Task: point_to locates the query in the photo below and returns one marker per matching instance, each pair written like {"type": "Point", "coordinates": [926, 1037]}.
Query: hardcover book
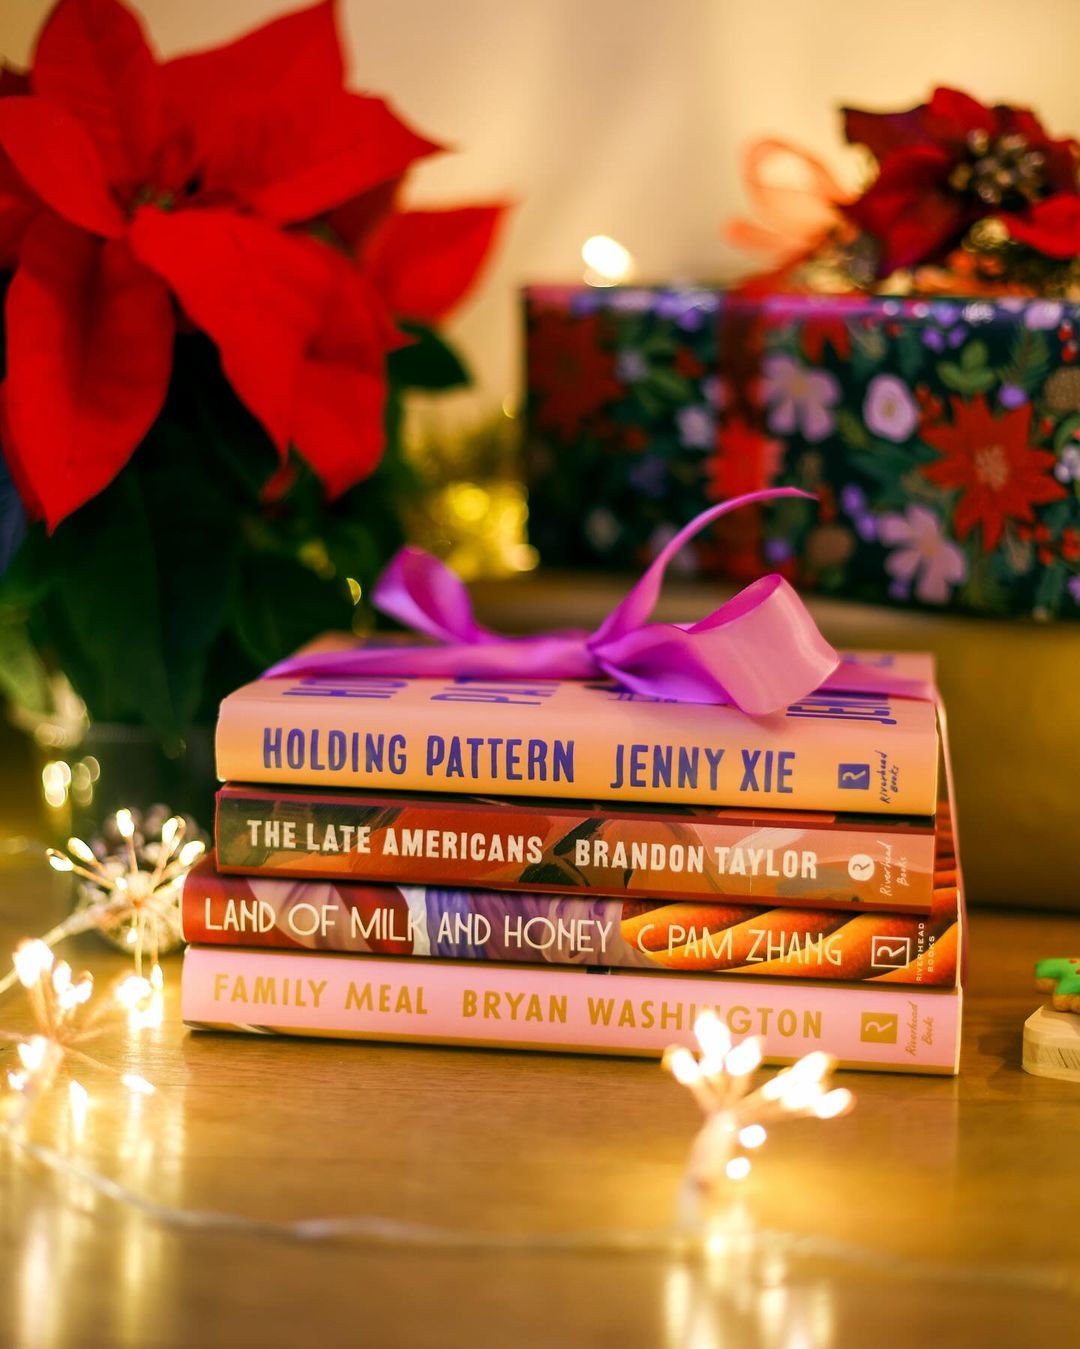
{"type": "Point", "coordinates": [601, 848]}
{"type": "Point", "coordinates": [885, 1027]}
{"type": "Point", "coordinates": [417, 920]}
{"type": "Point", "coordinates": [589, 740]}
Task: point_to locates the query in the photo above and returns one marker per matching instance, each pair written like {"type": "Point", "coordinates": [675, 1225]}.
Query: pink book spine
{"type": "Point", "coordinates": [889, 1029]}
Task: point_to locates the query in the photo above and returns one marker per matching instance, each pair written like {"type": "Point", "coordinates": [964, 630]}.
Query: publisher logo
{"type": "Point", "coordinates": [879, 1028]}
{"type": "Point", "coordinates": [853, 777]}
{"type": "Point", "coordinates": [860, 866]}
{"type": "Point", "coordinates": [890, 953]}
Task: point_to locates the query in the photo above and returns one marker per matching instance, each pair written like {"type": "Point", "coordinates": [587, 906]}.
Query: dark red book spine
{"type": "Point", "coordinates": [707, 855]}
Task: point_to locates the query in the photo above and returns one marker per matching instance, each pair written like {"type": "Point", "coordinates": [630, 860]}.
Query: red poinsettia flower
{"type": "Point", "coordinates": [952, 161]}
{"type": "Point", "coordinates": [134, 193]}
{"type": "Point", "coordinates": [572, 375]}
{"type": "Point", "coordinates": [990, 459]}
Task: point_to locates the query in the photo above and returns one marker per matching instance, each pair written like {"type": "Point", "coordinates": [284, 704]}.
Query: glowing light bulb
{"type": "Point", "coordinates": [738, 1168]}
{"type": "Point", "coordinates": [607, 262]}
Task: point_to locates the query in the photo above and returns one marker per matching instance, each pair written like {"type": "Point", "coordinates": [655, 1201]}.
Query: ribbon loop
{"type": "Point", "coordinates": [760, 651]}
{"type": "Point", "coordinates": [429, 599]}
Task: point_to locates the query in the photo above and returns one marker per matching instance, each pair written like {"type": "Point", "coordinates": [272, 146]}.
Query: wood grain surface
{"type": "Point", "coordinates": [941, 1211]}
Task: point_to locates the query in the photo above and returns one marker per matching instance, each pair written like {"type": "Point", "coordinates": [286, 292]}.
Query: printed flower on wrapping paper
{"type": "Point", "coordinates": [798, 399]}
{"type": "Point", "coordinates": [631, 367]}
{"type": "Point", "coordinates": [1067, 468]}
{"type": "Point", "coordinates": [921, 553]}
{"type": "Point", "coordinates": [1042, 315]}
{"type": "Point", "coordinates": [745, 461]}
{"type": "Point", "coordinates": [854, 504]}
{"type": "Point", "coordinates": [819, 330]}
{"type": "Point", "coordinates": [889, 409]}
{"type": "Point", "coordinates": [990, 460]}
{"type": "Point", "coordinates": [697, 427]}
{"type": "Point", "coordinates": [1074, 589]}
{"type": "Point", "coordinates": [573, 372]}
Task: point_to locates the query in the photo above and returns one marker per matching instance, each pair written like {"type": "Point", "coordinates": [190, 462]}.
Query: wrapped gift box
{"type": "Point", "coordinates": [941, 438]}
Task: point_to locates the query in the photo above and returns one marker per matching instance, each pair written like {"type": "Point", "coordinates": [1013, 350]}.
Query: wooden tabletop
{"type": "Point", "coordinates": [940, 1211]}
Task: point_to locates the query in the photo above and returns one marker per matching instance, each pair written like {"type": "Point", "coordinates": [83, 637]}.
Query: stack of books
{"type": "Point", "coordinates": [564, 865]}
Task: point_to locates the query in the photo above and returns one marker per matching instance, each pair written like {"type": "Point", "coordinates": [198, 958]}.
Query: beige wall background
{"type": "Point", "coordinates": [627, 117]}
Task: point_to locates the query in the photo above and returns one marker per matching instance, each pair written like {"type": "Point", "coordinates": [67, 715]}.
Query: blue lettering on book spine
{"type": "Point", "coordinates": [767, 770]}
{"type": "Point", "coordinates": [845, 707]}
{"type": "Point", "coordinates": [467, 690]}
{"type": "Point", "coordinates": [645, 766]}
{"type": "Point", "coordinates": [345, 686]}
{"type": "Point", "coordinates": [499, 758]}
{"type": "Point", "coordinates": [335, 751]}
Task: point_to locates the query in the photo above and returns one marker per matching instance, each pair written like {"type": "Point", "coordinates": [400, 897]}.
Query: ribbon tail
{"type": "Point", "coordinates": [521, 659]}
{"type": "Point", "coordinates": [632, 612]}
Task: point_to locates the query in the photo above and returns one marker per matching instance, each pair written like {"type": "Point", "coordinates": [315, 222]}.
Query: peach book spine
{"type": "Point", "coordinates": [576, 739]}
{"type": "Point", "coordinates": [873, 1026]}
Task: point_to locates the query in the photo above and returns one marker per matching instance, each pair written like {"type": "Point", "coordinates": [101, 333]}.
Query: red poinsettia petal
{"type": "Point", "coordinates": [89, 351]}
{"type": "Point", "coordinates": [13, 81]}
{"type": "Point", "coordinates": [423, 262]}
{"type": "Point", "coordinates": [18, 207]}
{"type": "Point", "coordinates": [256, 291]}
{"type": "Point", "coordinates": [93, 59]}
{"type": "Point", "coordinates": [338, 424]}
{"type": "Point", "coordinates": [356, 220]}
{"type": "Point", "coordinates": [297, 55]}
{"type": "Point", "coordinates": [55, 156]}
{"type": "Point", "coordinates": [884, 132]}
{"type": "Point", "coordinates": [338, 411]}
{"type": "Point", "coordinates": [275, 127]}
{"type": "Point", "coordinates": [907, 210]}
{"type": "Point", "coordinates": [952, 116]}
{"type": "Point", "coordinates": [1051, 226]}
{"type": "Point", "coordinates": [323, 156]}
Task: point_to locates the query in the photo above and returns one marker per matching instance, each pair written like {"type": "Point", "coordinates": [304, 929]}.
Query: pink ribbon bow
{"type": "Point", "coordinates": [760, 650]}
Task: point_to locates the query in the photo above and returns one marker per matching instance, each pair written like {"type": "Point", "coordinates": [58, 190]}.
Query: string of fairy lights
{"type": "Point", "coordinates": [135, 902]}
{"type": "Point", "coordinates": [133, 897]}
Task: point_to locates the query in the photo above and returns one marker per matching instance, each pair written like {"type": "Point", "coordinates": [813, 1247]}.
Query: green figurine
{"type": "Point", "coordinates": [1060, 977]}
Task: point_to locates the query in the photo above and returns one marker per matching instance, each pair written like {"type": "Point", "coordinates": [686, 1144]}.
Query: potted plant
{"type": "Point", "coordinates": [214, 305]}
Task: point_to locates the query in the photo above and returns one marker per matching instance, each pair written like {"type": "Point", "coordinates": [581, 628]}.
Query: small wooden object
{"type": "Point", "coordinates": [1052, 1044]}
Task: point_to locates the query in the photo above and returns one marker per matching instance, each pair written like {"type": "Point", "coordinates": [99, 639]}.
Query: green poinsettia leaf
{"type": "Point", "coordinates": [106, 621]}
{"type": "Point", "coordinates": [280, 604]}
{"type": "Point", "coordinates": [428, 362]}
{"type": "Point", "coordinates": [195, 563]}
{"type": "Point", "coordinates": [143, 575]}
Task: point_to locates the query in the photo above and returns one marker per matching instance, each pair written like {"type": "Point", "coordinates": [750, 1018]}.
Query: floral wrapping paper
{"type": "Point", "coordinates": [941, 438]}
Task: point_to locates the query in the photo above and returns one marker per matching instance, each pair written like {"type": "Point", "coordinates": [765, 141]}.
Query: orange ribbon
{"type": "Point", "coordinates": [793, 215]}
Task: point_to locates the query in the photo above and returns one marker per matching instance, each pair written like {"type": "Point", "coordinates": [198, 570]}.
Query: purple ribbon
{"type": "Point", "coordinates": [760, 651]}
